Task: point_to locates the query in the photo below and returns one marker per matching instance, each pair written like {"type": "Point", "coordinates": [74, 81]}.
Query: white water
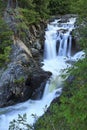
{"type": "Point", "coordinates": [55, 61]}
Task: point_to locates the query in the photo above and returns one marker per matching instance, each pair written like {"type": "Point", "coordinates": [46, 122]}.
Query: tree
{"type": "Point", "coordinates": [41, 6]}
{"type": "Point", "coordinates": [26, 4]}
{"type": "Point", "coordinates": [59, 6]}
{"type": "Point", "coordinates": [5, 42]}
{"type": "Point", "coordinates": [79, 7]}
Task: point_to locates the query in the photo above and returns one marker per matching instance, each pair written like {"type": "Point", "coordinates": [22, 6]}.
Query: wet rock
{"type": "Point", "coordinates": [57, 45]}
{"type": "Point", "coordinates": [72, 62]}
{"type": "Point", "coordinates": [37, 81]}
{"type": "Point", "coordinates": [65, 17]}
{"type": "Point", "coordinates": [37, 77]}
{"type": "Point", "coordinates": [62, 31]}
{"type": "Point", "coordinates": [18, 84]}
{"type": "Point", "coordinates": [34, 52]}
{"type": "Point", "coordinates": [23, 58]}
{"type": "Point", "coordinates": [12, 79]}
{"type": "Point", "coordinates": [12, 83]}
{"type": "Point", "coordinates": [38, 93]}
{"type": "Point", "coordinates": [37, 45]}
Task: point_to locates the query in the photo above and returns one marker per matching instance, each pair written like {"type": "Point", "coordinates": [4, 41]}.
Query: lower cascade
{"type": "Point", "coordinates": [57, 50]}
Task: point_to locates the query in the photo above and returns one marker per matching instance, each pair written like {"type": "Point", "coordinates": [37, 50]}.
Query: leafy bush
{"type": "Point", "coordinates": [21, 80]}
{"type": "Point", "coordinates": [2, 6]}
{"type": "Point", "coordinates": [20, 124]}
{"type": "Point", "coordinates": [5, 42]}
{"type": "Point", "coordinates": [71, 113]}
{"type": "Point", "coordinates": [79, 7]}
{"type": "Point", "coordinates": [59, 7]}
{"type": "Point", "coordinates": [41, 6]}
{"type": "Point", "coordinates": [30, 15]}
{"type": "Point", "coordinates": [28, 4]}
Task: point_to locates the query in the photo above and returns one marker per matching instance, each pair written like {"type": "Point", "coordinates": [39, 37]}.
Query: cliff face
{"type": "Point", "coordinates": [23, 78]}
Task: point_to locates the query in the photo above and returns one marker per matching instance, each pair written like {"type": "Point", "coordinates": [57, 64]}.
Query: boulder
{"type": "Point", "coordinates": [34, 52]}
{"type": "Point", "coordinates": [12, 84]}
{"type": "Point", "coordinates": [37, 45]}
{"type": "Point", "coordinates": [38, 93]}
{"type": "Point", "coordinates": [37, 81]}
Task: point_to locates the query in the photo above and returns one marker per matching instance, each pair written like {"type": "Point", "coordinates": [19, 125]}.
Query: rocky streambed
{"type": "Point", "coordinates": [23, 77]}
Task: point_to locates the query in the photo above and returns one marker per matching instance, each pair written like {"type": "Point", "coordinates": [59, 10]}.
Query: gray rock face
{"type": "Point", "coordinates": [34, 51]}
{"type": "Point", "coordinates": [18, 81]}
{"type": "Point", "coordinates": [12, 79]}
{"type": "Point", "coordinates": [37, 81]}
{"type": "Point", "coordinates": [17, 84]}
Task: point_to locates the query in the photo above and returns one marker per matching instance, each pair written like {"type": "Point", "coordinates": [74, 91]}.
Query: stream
{"type": "Point", "coordinates": [57, 51]}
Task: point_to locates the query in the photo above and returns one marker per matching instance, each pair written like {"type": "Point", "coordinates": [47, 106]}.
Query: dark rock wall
{"type": "Point", "coordinates": [22, 78]}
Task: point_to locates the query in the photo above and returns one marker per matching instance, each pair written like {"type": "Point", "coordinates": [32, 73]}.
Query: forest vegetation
{"type": "Point", "coordinates": [70, 113]}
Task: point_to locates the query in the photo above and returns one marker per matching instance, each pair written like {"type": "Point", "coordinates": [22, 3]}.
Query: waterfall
{"type": "Point", "coordinates": [58, 35]}
{"type": "Point", "coordinates": [58, 42]}
{"type": "Point", "coordinates": [50, 44]}
{"type": "Point", "coordinates": [70, 45]}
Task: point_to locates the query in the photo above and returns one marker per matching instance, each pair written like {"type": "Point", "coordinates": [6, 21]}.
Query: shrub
{"type": "Point", "coordinates": [5, 42]}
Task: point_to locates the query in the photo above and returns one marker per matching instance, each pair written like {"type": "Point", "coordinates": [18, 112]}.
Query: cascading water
{"type": "Point", "coordinates": [61, 36]}
{"type": "Point", "coordinates": [57, 50]}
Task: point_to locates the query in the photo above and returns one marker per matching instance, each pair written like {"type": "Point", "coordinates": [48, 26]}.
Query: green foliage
{"type": "Point", "coordinates": [81, 33]}
{"type": "Point", "coordinates": [71, 113]}
{"type": "Point", "coordinates": [41, 6]}
{"type": "Point", "coordinates": [79, 7]}
{"type": "Point", "coordinates": [30, 16]}
{"type": "Point", "coordinates": [59, 6]}
{"type": "Point", "coordinates": [83, 37]}
{"type": "Point", "coordinates": [83, 43]}
{"type": "Point", "coordinates": [21, 80]}
{"type": "Point", "coordinates": [24, 18]}
{"type": "Point", "coordinates": [28, 4]}
{"type": "Point", "coordinates": [34, 9]}
{"type": "Point", "coordinates": [27, 9]}
{"type": "Point", "coordinates": [5, 42]}
{"type": "Point", "coordinates": [20, 124]}
{"type": "Point", "coordinates": [2, 7]}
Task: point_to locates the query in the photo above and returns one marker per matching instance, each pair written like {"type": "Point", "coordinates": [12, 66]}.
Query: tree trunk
{"type": "Point", "coordinates": [12, 4]}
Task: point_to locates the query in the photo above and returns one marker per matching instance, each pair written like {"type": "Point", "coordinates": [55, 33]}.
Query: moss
{"type": "Point", "coordinates": [21, 80]}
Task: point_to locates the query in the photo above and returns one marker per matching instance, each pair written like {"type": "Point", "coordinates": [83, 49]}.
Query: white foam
{"type": "Point", "coordinates": [54, 64]}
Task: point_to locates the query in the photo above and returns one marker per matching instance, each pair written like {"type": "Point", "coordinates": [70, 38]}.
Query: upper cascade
{"type": "Point", "coordinates": [58, 39]}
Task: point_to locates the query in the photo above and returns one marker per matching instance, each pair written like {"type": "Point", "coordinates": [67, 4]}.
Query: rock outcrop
{"type": "Point", "coordinates": [23, 77]}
